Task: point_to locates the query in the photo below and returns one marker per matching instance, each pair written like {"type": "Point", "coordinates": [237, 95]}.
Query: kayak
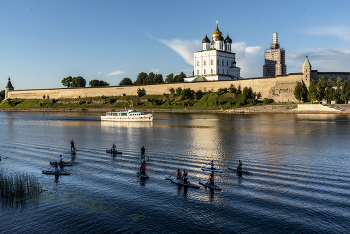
{"type": "Point", "coordinates": [209, 169]}
{"type": "Point", "coordinates": [168, 177]}
{"type": "Point", "coordinates": [113, 152]}
{"type": "Point", "coordinates": [55, 173]}
{"type": "Point", "coordinates": [208, 185]}
{"type": "Point", "coordinates": [180, 182]}
{"type": "Point", "coordinates": [62, 164]}
{"type": "Point", "coordinates": [142, 176]}
{"type": "Point", "coordinates": [235, 169]}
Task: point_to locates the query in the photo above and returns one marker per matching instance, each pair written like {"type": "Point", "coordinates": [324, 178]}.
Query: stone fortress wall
{"type": "Point", "coordinates": [280, 88]}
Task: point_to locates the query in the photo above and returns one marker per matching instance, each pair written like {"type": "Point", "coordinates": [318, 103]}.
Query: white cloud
{"type": "Point", "coordinates": [326, 60]}
{"type": "Point", "coordinates": [155, 70]}
{"type": "Point", "coordinates": [341, 32]}
{"type": "Point", "coordinates": [117, 72]}
{"type": "Point", "coordinates": [99, 73]}
{"type": "Point", "coordinates": [249, 58]}
{"type": "Point", "coordinates": [184, 48]}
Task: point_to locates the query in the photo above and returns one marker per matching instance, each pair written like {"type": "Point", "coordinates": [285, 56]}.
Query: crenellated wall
{"type": "Point", "coordinates": [280, 88]}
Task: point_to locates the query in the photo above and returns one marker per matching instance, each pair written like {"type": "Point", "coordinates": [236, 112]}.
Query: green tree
{"type": "Point", "coordinates": [94, 83]}
{"type": "Point", "coordinates": [2, 95]}
{"type": "Point", "coordinates": [337, 94]}
{"type": "Point", "coordinates": [345, 91]}
{"type": "Point", "coordinates": [300, 91]}
{"type": "Point", "coordinates": [159, 79]}
{"type": "Point", "coordinates": [329, 91]}
{"type": "Point", "coordinates": [178, 91]}
{"type": "Point", "coordinates": [139, 92]}
{"type": "Point", "coordinates": [187, 93]}
{"type": "Point", "coordinates": [151, 78]}
{"type": "Point", "coordinates": [198, 95]}
{"type": "Point", "coordinates": [141, 78]}
{"type": "Point", "coordinates": [321, 87]}
{"type": "Point", "coordinates": [78, 81]}
{"type": "Point", "coordinates": [180, 77]}
{"type": "Point", "coordinates": [232, 89]}
{"type": "Point", "coordinates": [172, 91]}
{"type": "Point", "coordinates": [67, 82]}
{"type": "Point", "coordinates": [126, 81]}
{"type": "Point", "coordinates": [312, 94]}
{"type": "Point", "coordinates": [246, 93]}
{"type": "Point", "coordinates": [169, 78]}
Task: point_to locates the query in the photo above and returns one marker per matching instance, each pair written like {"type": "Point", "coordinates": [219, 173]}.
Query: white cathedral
{"type": "Point", "coordinates": [215, 62]}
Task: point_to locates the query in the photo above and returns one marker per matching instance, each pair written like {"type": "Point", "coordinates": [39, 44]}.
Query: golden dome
{"type": "Point", "coordinates": [216, 33]}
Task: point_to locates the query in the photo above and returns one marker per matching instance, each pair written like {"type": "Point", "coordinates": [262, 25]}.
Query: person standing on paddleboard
{"type": "Point", "coordinates": [143, 153]}
{"type": "Point", "coordinates": [212, 165]}
{"type": "Point", "coordinates": [185, 176]}
{"type": "Point", "coordinates": [61, 160]}
{"type": "Point", "coordinates": [143, 168]}
{"type": "Point", "coordinates": [239, 166]}
{"type": "Point", "coordinates": [211, 178]}
{"type": "Point", "coordinates": [72, 145]}
{"type": "Point", "coordinates": [179, 174]}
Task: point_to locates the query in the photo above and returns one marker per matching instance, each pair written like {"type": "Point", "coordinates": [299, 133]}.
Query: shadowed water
{"type": "Point", "coordinates": [299, 180]}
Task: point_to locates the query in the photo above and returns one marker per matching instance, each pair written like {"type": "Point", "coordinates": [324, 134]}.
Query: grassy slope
{"type": "Point", "coordinates": [209, 101]}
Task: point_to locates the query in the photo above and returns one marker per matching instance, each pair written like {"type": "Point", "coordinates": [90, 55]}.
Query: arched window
{"type": "Point", "coordinates": [197, 63]}
{"type": "Point", "coordinates": [227, 63]}
{"type": "Point", "coordinates": [211, 71]}
{"type": "Point", "coordinates": [205, 62]}
{"type": "Point", "coordinates": [204, 71]}
{"type": "Point", "coordinates": [197, 72]}
{"type": "Point", "coordinates": [212, 62]}
{"type": "Point", "coordinates": [222, 62]}
{"type": "Point", "coordinates": [218, 62]}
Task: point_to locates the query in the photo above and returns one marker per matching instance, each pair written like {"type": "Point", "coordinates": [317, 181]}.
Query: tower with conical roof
{"type": "Point", "coordinates": [275, 64]}
{"type": "Point", "coordinates": [8, 88]}
{"type": "Point", "coordinates": [306, 69]}
{"type": "Point", "coordinates": [215, 61]}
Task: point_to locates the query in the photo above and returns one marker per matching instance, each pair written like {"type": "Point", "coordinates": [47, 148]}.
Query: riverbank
{"type": "Point", "coordinates": [285, 109]}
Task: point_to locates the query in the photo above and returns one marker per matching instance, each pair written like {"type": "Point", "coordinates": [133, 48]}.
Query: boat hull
{"type": "Point", "coordinates": [113, 152]}
{"type": "Point", "coordinates": [145, 118]}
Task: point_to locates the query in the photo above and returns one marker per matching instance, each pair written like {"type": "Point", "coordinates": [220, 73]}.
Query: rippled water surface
{"type": "Point", "coordinates": [299, 180]}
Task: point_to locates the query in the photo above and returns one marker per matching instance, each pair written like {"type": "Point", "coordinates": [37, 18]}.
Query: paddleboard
{"type": "Point", "coordinates": [209, 169]}
{"type": "Point", "coordinates": [62, 164]}
{"type": "Point", "coordinates": [168, 177]}
{"type": "Point", "coordinates": [208, 185]}
{"type": "Point", "coordinates": [142, 176]}
{"type": "Point", "coordinates": [55, 173]}
{"type": "Point", "coordinates": [235, 169]}
{"type": "Point", "coordinates": [113, 152]}
{"type": "Point", "coordinates": [179, 182]}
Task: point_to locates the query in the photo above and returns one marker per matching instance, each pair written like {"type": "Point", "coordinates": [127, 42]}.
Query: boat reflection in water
{"type": "Point", "coordinates": [127, 124]}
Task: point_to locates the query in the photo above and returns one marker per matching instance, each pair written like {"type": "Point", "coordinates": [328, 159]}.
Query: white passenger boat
{"type": "Point", "coordinates": [128, 116]}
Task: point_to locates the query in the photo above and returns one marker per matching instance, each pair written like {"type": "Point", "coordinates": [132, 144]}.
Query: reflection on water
{"type": "Point", "coordinates": [107, 124]}
{"type": "Point", "coordinates": [299, 164]}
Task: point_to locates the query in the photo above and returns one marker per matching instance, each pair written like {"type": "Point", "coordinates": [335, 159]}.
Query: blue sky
{"type": "Point", "coordinates": [42, 42]}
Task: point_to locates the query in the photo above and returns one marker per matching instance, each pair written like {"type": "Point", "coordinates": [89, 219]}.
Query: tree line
{"type": "Point", "coordinates": [79, 81]}
{"type": "Point", "coordinates": [151, 78]}
{"type": "Point", "coordinates": [142, 79]}
{"type": "Point", "coordinates": [321, 90]}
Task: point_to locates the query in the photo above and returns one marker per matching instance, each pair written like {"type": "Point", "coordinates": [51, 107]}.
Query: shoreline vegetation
{"type": "Point", "coordinates": [226, 100]}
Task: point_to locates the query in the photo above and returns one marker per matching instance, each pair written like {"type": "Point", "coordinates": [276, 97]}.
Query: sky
{"type": "Point", "coordinates": [44, 41]}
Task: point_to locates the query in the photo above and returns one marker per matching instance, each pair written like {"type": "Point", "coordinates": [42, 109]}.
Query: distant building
{"type": "Point", "coordinates": [8, 87]}
{"type": "Point", "coordinates": [215, 61]}
{"type": "Point", "coordinates": [275, 64]}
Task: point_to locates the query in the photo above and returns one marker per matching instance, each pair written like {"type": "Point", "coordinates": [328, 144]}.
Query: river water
{"type": "Point", "coordinates": [299, 180]}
